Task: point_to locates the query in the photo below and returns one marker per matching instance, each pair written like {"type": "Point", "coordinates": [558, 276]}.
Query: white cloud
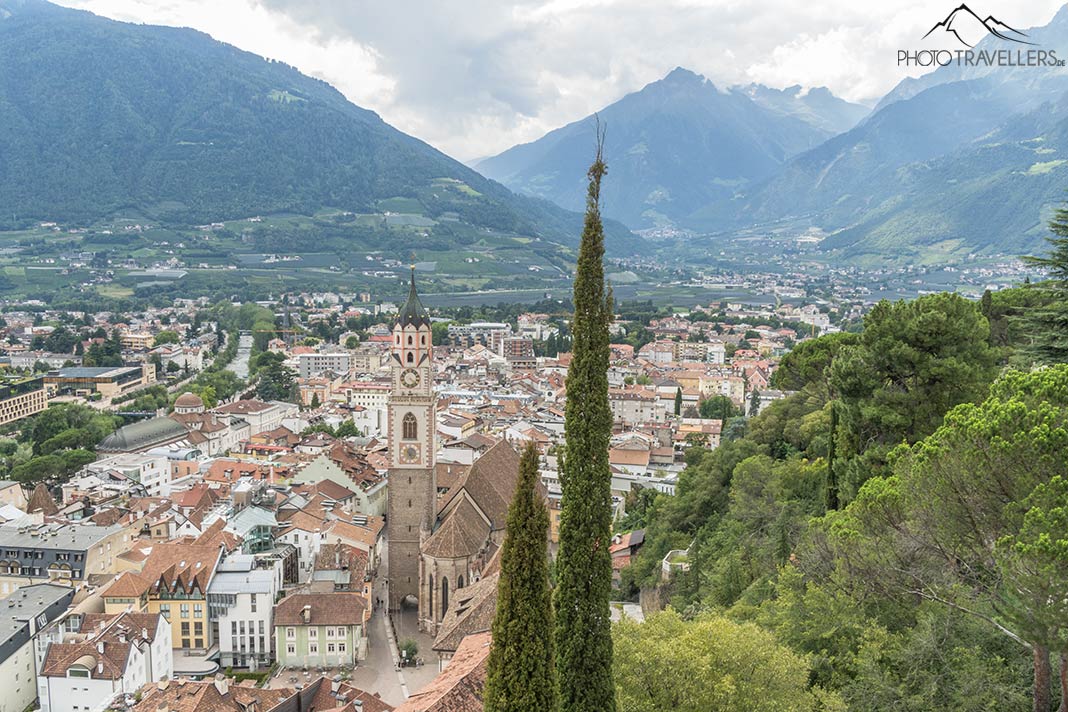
{"type": "Point", "coordinates": [476, 77]}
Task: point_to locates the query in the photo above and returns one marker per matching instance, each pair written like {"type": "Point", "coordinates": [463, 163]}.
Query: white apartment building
{"type": "Point", "coordinates": [241, 608]}
{"type": "Point", "coordinates": [152, 471]}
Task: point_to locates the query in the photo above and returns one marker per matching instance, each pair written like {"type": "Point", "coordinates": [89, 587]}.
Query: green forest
{"type": "Point", "coordinates": [891, 536]}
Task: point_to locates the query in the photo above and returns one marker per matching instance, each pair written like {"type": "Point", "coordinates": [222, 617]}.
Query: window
{"type": "Point", "coordinates": [291, 633]}
{"type": "Point", "coordinates": [291, 649]}
{"type": "Point", "coordinates": [165, 610]}
{"type": "Point", "coordinates": [330, 648]}
{"type": "Point", "coordinates": [185, 629]}
{"type": "Point", "coordinates": [233, 628]}
{"type": "Point", "coordinates": [199, 642]}
{"type": "Point", "coordinates": [261, 627]}
{"type": "Point", "coordinates": [313, 648]}
{"type": "Point", "coordinates": [341, 647]}
{"type": "Point", "coordinates": [313, 632]}
{"type": "Point", "coordinates": [410, 427]}
{"type": "Point", "coordinates": [185, 610]}
{"type": "Point", "coordinates": [77, 672]}
{"type": "Point", "coordinates": [444, 596]}
{"type": "Point", "coordinates": [253, 606]}
{"type": "Point", "coordinates": [198, 628]}
{"type": "Point", "coordinates": [198, 610]}
{"type": "Point", "coordinates": [409, 339]}
{"type": "Point", "coordinates": [185, 642]}
{"type": "Point", "coordinates": [411, 357]}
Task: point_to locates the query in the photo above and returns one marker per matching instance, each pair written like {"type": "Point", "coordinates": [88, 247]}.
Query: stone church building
{"type": "Point", "coordinates": [436, 544]}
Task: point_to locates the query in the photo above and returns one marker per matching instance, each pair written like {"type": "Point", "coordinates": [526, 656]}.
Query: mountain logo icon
{"type": "Point", "coordinates": [969, 29]}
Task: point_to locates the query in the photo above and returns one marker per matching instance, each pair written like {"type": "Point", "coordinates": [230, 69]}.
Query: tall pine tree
{"type": "Point", "coordinates": [584, 565]}
{"type": "Point", "coordinates": [521, 672]}
{"type": "Point", "coordinates": [1048, 324]}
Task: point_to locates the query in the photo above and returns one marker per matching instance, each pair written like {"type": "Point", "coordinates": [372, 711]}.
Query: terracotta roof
{"type": "Point", "coordinates": [335, 556]}
{"type": "Point", "coordinates": [459, 687]}
{"type": "Point", "coordinates": [116, 634]}
{"type": "Point", "coordinates": [623, 456]}
{"type": "Point", "coordinates": [362, 536]}
{"type": "Point", "coordinates": [188, 696]}
{"type": "Point", "coordinates": [172, 565]}
{"type": "Point", "coordinates": [243, 407]}
{"type": "Point", "coordinates": [326, 609]}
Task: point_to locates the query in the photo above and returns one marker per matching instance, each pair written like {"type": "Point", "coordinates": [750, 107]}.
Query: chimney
{"type": "Point", "coordinates": [335, 684]}
{"type": "Point", "coordinates": [122, 636]}
{"type": "Point", "coordinates": [144, 633]}
{"type": "Point", "coordinates": [222, 684]}
{"type": "Point", "coordinates": [305, 614]}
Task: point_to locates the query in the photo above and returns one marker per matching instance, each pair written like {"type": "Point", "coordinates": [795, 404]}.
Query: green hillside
{"type": "Point", "coordinates": [102, 118]}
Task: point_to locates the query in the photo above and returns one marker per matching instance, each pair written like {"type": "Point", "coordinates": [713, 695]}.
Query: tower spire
{"type": "Point", "coordinates": [413, 311]}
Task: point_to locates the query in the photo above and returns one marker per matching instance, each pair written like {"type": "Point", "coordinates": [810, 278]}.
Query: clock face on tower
{"type": "Point", "coordinates": [409, 454]}
{"type": "Point", "coordinates": [409, 378]}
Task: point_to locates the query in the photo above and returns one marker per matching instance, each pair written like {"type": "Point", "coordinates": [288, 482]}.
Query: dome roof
{"type": "Point", "coordinates": [189, 400]}
{"type": "Point", "coordinates": [142, 435]}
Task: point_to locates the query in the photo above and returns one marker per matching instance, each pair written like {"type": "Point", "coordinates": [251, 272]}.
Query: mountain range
{"type": "Point", "coordinates": [102, 118]}
{"type": "Point", "coordinates": [961, 160]}
{"type": "Point", "coordinates": [967, 158]}
{"type": "Point", "coordinates": [676, 145]}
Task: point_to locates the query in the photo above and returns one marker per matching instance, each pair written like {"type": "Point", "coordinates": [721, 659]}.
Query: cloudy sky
{"type": "Point", "coordinates": [477, 76]}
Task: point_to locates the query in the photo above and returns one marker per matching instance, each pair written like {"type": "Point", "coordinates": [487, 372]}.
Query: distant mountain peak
{"type": "Point", "coordinates": [681, 74]}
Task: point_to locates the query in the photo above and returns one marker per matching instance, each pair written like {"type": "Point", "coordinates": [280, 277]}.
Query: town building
{"type": "Point", "coordinates": [21, 399]}
{"type": "Point", "coordinates": [241, 608]}
{"type": "Point", "coordinates": [65, 554]}
{"type": "Point", "coordinates": [112, 656]}
{"type": "Point", "coordinates": [108, 381]}
{"type": "Point", "coordinates": [316, 364]}
{"type": "Point", "coordinates": [320, 629]}
{"type": "Point", "coordinates": [23, 615]}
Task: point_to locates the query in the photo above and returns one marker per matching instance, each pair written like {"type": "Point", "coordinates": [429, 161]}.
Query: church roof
{"type": "Point", "coordinates": [413, 312]}
{"type": "Point", "coordinates": [471, 611]}
{"type": "Point", "coordinates": [460, 686]}
{"type": "Point", "coordinates": [490, 482]}
{"type": "Point", "coordinates": [461, 534]}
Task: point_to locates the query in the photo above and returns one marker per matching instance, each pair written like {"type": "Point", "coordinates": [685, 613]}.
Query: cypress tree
{"type": "Point", "coordinates": [520, 672]}
{"type": "Point", "coordinates": [584, 566]}
{"type": "Point", "coordinates": [678, 401]}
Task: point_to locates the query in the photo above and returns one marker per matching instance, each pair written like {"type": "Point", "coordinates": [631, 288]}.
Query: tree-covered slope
{"type": "Point", "coordinates": [98, 116]}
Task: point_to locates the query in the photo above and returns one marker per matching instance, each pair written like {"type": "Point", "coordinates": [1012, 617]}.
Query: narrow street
{"type": "Point", "coordinates": [380, 672]}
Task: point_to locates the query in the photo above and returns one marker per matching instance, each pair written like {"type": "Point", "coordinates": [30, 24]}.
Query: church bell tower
{"type": "Point", "coordinates": [412, 492]}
